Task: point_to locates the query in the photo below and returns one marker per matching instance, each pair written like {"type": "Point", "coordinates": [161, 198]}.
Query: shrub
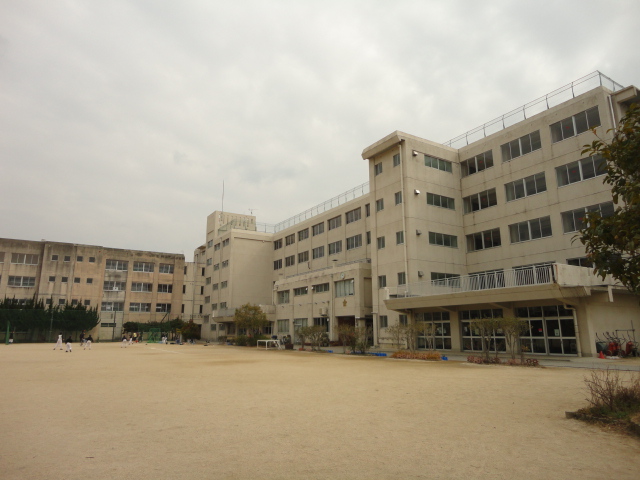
{"type": "Point", "coordinates": [609, 393]}
{"type": "Point", "coordinates": [532, 362]}
{"type": "Point", "coordinates": [241, 340]}
{"type": "Point", "coordinates": [433, 356]}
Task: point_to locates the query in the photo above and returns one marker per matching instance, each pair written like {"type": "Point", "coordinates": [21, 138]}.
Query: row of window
{"type": "Point", "coordinates": [123, 266]}
{"type": "Point", "coordinates": [216, 247]}
{"type": "Point", "coordinates": [333, 223]}
{"type": "Point", "coordinates": [319, 252]}
{"type": "Point", "coordinates": [135, 307]}
{"type": "Point", "coordinates": [343, 288]}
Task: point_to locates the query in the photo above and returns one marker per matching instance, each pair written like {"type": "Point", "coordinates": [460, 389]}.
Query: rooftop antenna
{"type": "Point", "coordinates": [251, 210]}
{"type": "Point", "coordinates": [222, 208]}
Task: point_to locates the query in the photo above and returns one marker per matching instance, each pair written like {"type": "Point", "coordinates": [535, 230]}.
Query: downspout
{"type": "Point", "coordinates": [613, 116]}
{"type": "Point", "coordinates": [405, 197]}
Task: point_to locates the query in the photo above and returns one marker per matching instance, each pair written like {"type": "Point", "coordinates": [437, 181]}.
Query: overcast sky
{"type": "Point", "coordinates": [119, 120]}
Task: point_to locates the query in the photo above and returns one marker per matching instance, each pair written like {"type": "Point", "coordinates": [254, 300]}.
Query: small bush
{"type": "Point", "coordinates": [433, 356]}
{"type": "Point", "coordinates": [532, 362]}
{"type": "Point", "coordinates": [241, 340]}
{"type": "Point", "coordinates": [610, 394]}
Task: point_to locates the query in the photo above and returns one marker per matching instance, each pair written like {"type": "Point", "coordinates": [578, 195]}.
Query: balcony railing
{"type": "Point", "coordinates": [563, 275]}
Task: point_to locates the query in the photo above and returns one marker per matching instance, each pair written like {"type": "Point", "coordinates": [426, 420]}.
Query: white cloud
{"type": "Point", "coordinates": [121, 119]}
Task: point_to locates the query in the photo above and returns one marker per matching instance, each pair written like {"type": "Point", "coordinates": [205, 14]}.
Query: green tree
{"type": "Point", "coordinates": [250, 318]}
{"type": "Point", "coordinates": [513, 327]}
{"type": "Point", "coordinates": [613, 243]}
{"type": "Point", "coordinates": [191, 330]}
{"type": "Point", "coordinates": [347, 336]}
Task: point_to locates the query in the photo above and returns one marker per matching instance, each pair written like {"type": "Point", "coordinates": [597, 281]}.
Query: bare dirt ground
{"type": "Point", "coordinates": [219, 412]}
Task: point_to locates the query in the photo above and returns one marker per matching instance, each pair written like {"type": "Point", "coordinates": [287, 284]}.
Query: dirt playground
{"type": "Point", "coordinates": [221, 412]}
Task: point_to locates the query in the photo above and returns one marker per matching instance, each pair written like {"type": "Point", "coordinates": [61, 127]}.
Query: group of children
{"type": "Point", "coordinates": [84, 342]}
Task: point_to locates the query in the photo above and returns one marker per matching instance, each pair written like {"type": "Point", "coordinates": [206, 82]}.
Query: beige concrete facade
{"type": "Point", "coordinates": [507, 203]}
{"type": "Point", "coordinates": [124, 285]}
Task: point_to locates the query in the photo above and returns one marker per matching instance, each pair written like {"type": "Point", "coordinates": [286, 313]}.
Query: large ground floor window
{"type": "Point", "coordinates": [471, 339]}
{"type": "Point", "coordinates": [440, 336]}
{"type": "Point", "coordinates": [551, 330]}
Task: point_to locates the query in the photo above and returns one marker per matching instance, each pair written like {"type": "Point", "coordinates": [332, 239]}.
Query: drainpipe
{"type": "Point", "coordinates": [404, 214]}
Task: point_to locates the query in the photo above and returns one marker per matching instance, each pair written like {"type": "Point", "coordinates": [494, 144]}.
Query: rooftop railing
{"type": "Point", "coordinates": [562, 94]}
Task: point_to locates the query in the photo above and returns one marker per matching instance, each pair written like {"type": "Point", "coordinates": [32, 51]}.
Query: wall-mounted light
{"type": "Point", "coordinates": [416, 191]}
{"type": "Point", "coordinates": [415, 154]}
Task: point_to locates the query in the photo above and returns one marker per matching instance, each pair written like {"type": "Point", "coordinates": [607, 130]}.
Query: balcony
{"type": "Point", "coordinates": [557, 281]}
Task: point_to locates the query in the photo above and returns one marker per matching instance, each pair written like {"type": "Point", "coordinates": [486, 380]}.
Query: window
{"type": "Point", "coordinates": [573, 220]}
{"type": "Point", "coordinates": [225, 263]}
{"type": "Point", "coordinates": [24, 258]}
{"type": "Point", "coordinates": [477, 164]}
{"type": "Point", "coordinates": [445, 279]}
{"type": "Point", "coordinates": [277, 245]}
{"type": "Point", "coordinates": [382, 281]}
{"type": "Point", "coordinates": [215, 287]}
{"type": "Point", "coordinates": [184, 290]}
{"type": "Point", "coordinates": [320, 288]}
{"type": "Point", "coordinates": [300, 291]}
{"type": "Point", "coordinates": [321, 322]}
{"type": "Point", "coordinates": [353, 215]}
{"type": "Point", "coordinates": [290, 261]}
{"type": "Point", "coordinates": [526, 187]}
{"type": "Point", "coordinates": [480, 201]}
{"type": "Point", "coordinates": [225, 242]}
{"type": "Point", "coordinates": [67, 258]}
{"type": "Point", "coordinates": [384, 321]}
{"type": "Point", "coordinates": [367, 210]}
{"type": "Point", "coordinates": [581, 170]}
{"type": "Point", "coordinates": [402, 278]}
{"type": "Point", "coordinates": [402, 319]}
{"type": "Point", "coordinates": [377, 169]}
{"type": "Point", "coordinates": [283, 326]}
{"type": "Point", "coordinates": [76, 280]}
{"type": "Point", "coordinates": [380, 242]}
{"type": "Point", "coordinates": [521, 146]}
{"type": "Point", "coordinates": [335, 247]}
{"type": "Point", "coordinates": [283, 296]}
{"type": "Point", "coordinates": [112, 307]}
{"type": "Point", "coordinates": [142, 267]}
{"type": "Point", "coordinates": [290, 239]}
{"type": "Point", "coordinates": [334, 222]}
{"type": "Point", "coordinates": [165, 268]}
{"type": "Point", "coordinates": [210, 244]}
{"type": "Point", "coordinates": [165, 288]}
{"type": "Point", "coordinates": [207, 281]}
{"type": "Point", "coordinates": [483, 240]}
{"type": "Point", "coordinates": [354, 242]}
{"type": "Point", "coordinates": [277, 264]}
{"type": "Point", "coordinates": [224, 284]}
{"type": "Point", "coordinates": [344, 288]}
{"type": "Point", "coordinates": [438, 163]}
{"type": "Point", "coordinates": [368, 238]}
{"type": "Point", "coordinates": [92, 259]}
{"type": "Point", "coordinates": [317, 252]}
{"type": "Point", "coordinates": [114, 286]}
{"type": "Point", "coordinates": [575, 125]}
{"type": "Point", "coordinates": [530, 230]}
{"type": "Point", "coordinates": [399, 238]}
{"type": "Point", "coordinates": [216, 247]}
{"type": "Point", "coordinates": [54, 258]}
{"type": "Point", "coordinates": [398, 198]}
{"type": "Point", "coordinates": [580, 262]}
{"type": "Point", "coordinates": [87, 303]}
{"type": "Point", "coordinates": [15, 281]}
{"type": "Point", "coordinates": [64, 279]}
{"type": "Point", "coordinates": [223, 305]}
{"type": "Point", "coordinates": [79, 258]}
{"type": "Point", "coordinates": [117, 265]}
{"type": "Point", "coordinates": [163, 307]}
{"type": "Point", "coordinates": [303, 257]}
{"type": "Point", "coordinates": [379, 204]}
{"type": "Point", "coordinates": [440, 201]}
{"type": "Point", "coordinates": [303, 234]}
{"type": "Point", "coordinates": [52, 278]}
{"type": "Point", "coordinates": [396, 160]}
{"type": "Point", "coordinates": [139, 307]}
{"type": "Point", "coordinates": [89, 281]}
{"type": "Point", "coordinates": [216, 267]}
{"type": "Point", "coordinates": [201, 289]}
{"type": "Point", "coordinates": [317, 229]}
{"type": "Point", "coordinates": [209, 261]}
{"type": "Point", "coordinates": [443, 240]}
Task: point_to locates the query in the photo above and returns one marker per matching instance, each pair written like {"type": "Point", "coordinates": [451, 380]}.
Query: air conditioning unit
{"type": "Point", "coordinates": [324, 311]}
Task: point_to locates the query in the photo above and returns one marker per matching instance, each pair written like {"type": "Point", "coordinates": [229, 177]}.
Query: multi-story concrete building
{"type": "Point", "coordinates": [124, 285]}
{"type": "Point", "coordinates": [483, 225]}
